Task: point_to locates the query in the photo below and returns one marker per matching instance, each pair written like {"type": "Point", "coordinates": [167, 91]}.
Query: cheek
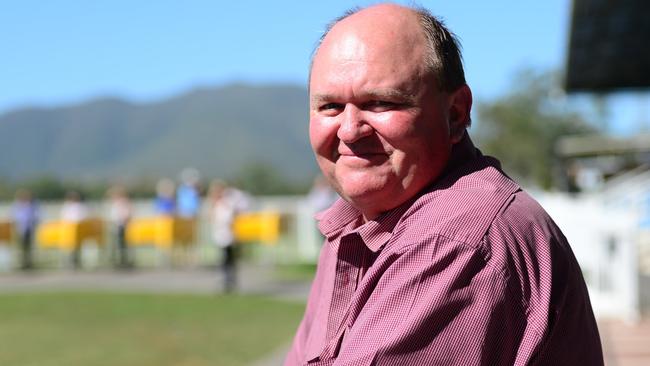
{"type": "Point", "coordinates": [322, 135]}
{"type": "Point", "coordinates": [418, 144]}
{"type": "Point", "coordinates": [314, 134]}
{"type": "Point", "coordinates": [395, 126]}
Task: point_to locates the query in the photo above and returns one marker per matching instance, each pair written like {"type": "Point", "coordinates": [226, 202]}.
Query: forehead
{"type": "Point", "coordinates": [392, 23]}
{"type": "Point", "coordinates": [380, 49]}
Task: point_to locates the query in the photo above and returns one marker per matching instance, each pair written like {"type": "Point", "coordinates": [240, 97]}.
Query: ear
{"type": "Point", "coordinates": [460, 106]}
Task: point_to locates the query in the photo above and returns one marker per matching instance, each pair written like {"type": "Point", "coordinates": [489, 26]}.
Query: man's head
{"type": "Point", "coordinates": [443, 57]}
{"type": "Point", "coordinates": [388, 100]}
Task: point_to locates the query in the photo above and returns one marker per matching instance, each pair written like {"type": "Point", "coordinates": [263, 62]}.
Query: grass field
{"type": "Point", "coordinates": [296, 272]}
{"type": "Point", "coordinates": [96, 329]}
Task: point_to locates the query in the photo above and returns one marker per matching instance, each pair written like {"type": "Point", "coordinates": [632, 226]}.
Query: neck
{"type": "Point", "coordinates": [461, 152]}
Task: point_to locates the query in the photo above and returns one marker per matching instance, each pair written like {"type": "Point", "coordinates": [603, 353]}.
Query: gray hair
{"type": "Point", "coordinates": [443, 57]}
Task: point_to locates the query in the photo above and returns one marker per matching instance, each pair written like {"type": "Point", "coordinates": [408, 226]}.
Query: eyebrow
{"type": "Point", "coordinates": [370, 94]}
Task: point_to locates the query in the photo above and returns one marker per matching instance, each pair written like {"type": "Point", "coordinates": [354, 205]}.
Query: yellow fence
{"type": "Point", "coordinates": [69, 235]}
{"type": "Point", "coordinates": [6, 231]}
{"type": "Point", "coordinates": [262, 227]}
{"type": "Point", "coordinates": [161, 231]}
{"type": "Point", "coordinates": [167, 231]}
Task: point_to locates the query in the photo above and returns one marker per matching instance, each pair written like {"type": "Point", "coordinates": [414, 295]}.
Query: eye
{"type": "Point", "coordinates": [379, 105]}
{"type": "Point", "coordinates": [331, 108]}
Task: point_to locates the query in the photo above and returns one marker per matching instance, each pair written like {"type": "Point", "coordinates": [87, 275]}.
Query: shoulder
{"type": "Point", "coordinates": [534, 254]}
{"type": "Point", "coordinates": [524, 214]}
{"type": "Point", "coordinates": [523, 231]}
{"type": "Point", "coordinates": [463, 207]}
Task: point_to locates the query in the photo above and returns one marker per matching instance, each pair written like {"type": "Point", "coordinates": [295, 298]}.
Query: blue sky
{"type": "Point", "coordinates": [62, 52]}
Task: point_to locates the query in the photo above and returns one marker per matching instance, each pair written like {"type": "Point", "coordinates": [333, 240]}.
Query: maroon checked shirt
{"type": "Point", "coordinates": [470, 272]}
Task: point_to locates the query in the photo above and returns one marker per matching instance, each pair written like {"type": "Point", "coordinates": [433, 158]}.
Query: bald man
{"type": "Point", "coordinates": [433, 256]}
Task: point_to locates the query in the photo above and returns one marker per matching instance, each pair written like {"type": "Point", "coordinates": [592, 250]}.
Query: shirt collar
{"type": "Point", "coordinates": [332, 220]}
{"type": "Point", "coordinates": [337, 221]}
{"type": "Point", "coordinates": [377, 232]}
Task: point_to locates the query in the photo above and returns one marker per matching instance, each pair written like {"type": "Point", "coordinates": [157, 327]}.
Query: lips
{"type": "Point", "coordinates": [362, 157]}
{"type": "Point", "coordinates": [368, 155]}
{"type": "Point", "coordinates": [362, 151]}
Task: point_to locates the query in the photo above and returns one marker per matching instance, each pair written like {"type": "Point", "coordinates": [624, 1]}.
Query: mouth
{"type": "Point", "coordinates": [360, 157]}
{"type": "Point", "coordinates": [361, 153]}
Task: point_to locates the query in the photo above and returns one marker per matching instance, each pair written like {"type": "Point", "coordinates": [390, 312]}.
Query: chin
{"type": "Point", "coordinates": [365, 195]}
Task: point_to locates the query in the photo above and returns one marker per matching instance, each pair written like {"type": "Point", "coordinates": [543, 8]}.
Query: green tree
{"type": "Point", "coordinates": [46, 188]}
{"type": "Point", "coordinates": [260, 178]}
{"type": "Point", "coordinates": [522, 127]}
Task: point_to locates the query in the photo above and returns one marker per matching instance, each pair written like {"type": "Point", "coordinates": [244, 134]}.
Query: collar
{"type": "Point", "coordinates": [343, 219]}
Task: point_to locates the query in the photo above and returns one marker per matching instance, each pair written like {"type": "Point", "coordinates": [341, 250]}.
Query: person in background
{"type": "Point", "coordinates": [224, 204]}
{"type": "Point", "coordinates": [120, 212]}
{"type": "Point", "coordinates": [188, 196]}
{"type": "Point", "coordinates": [25, 215]}
{"type": "Point", "coordinates": [74, 210]}
{"type": "Point", "coordinates": [321, 195]}
{"type": "Point", "coordinates": [165, 203]}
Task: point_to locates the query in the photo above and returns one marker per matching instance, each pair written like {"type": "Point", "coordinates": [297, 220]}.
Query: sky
{"type": "Point", "coordinates": [64, 52]}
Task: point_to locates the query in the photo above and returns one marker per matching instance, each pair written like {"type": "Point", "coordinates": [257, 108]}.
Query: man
{"type": "Point", "coordinates": [224, 204]}
{"type": "Point", "coordinates": [433, 256]}
{"type": "Point", "coordinates": [26, 217]}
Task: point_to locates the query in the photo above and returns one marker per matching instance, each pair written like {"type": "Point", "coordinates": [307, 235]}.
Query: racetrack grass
{"type": "Point", "coordinates": [96, 329]}
{"type": "Point", "coordinates": [295, 272]}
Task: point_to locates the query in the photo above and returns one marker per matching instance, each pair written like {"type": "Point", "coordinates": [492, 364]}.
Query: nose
{"type": "Point", "coordinates": [352, 125]}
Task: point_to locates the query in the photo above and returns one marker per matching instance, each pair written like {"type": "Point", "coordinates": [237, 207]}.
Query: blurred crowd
{"type": "Point", "coordinates": [120, 219]}
{"type": "Point", "coordinates": [221, 202]}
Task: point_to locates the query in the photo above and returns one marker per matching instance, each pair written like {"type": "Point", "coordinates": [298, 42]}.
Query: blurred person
{"type": "Point", "coordinates": [120, 212]}
{"type": "Point", "coordinates": [321, 195]}
{"type": "Point", "coordinates": [74, 210]}
{"type": "Point", "coordinates": [433, 255]}
{"type": "Point", "coordinates": [25, 215]}
{"type": "Point", "coordinates": [165, 202]}
{"type": "Point", "coordinates": [188, 197]}
{"type": "Point", "coordinates": [224, 204]}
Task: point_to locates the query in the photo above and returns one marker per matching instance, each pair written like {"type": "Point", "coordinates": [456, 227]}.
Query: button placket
{"type": "Point", "coordinates": [349, 262]}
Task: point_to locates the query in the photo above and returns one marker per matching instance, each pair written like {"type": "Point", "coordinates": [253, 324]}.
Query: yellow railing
{"type": "Point", "coordinates": [161, 231]}
{"type": "Point", "coordinates": [69, 235]}
{"type": "Point", "coordinates": [262, 227]}
{"type": "Point", "coordinates": [6, 231]}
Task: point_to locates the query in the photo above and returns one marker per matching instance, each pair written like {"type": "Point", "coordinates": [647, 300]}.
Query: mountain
{"type": "Point", "coordinates": [216, 130]}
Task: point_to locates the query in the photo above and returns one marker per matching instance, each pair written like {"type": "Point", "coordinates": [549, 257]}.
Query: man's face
{"type": "Point", "coordinates": [378, 125]}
